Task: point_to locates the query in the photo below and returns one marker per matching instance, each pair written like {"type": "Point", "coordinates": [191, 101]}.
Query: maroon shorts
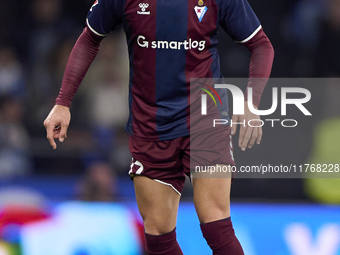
{"type": "Point", "coordinates": [168, 162]}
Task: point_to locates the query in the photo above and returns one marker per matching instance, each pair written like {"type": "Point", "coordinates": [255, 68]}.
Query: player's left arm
{"type": "Point", "coordinates": [238, 19]}
{"type": "Point", "coordinates": [261, 61]}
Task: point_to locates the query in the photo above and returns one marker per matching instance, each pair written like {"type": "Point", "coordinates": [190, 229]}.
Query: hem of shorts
{"type": "Point", "coordinates": [168, 184]}
{"type": "Point", "coordinates": [159, 181]}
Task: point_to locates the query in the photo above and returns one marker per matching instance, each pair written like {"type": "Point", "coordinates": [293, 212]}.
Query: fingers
{"type": "Point", "coordinates": [234, 127]}
{"type": "Point", "coordinates": [259, 136]}
{"type": "Point", "coordinates": [253, 137]}
{"type": "Point", "coordinates": [248, 137]}
{"type": "Point", "coordinates": [63, 132]}
{"type": "Point", "coordinates": [247, 134]}
{"type": "Point", "coordinates": [56, 124]}
{"type": "Point", "coordinates": [50, 134]}
{"type": "Point", "coordinates": [256, 134]}
{"type": "Point", "coordinates": [55, 132]}
{"type": "Point", "coordinates": [243, 130]}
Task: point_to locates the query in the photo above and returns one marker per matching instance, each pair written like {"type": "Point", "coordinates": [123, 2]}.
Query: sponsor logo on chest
{"type": "Point", "coordinates": [172, 45]}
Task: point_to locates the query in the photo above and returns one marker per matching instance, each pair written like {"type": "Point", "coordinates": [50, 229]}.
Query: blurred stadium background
{"type": "Point", "coordinates": [78, 200]}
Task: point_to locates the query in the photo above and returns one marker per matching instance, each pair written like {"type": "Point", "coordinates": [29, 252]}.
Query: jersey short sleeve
{"type": "Point", "coordinates": [238, 19]}
{"type": "Point", "coordinates": [105, 15]}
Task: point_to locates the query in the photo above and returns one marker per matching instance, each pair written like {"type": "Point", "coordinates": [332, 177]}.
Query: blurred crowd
{"type": "Point", "coordinates": [36, 37]}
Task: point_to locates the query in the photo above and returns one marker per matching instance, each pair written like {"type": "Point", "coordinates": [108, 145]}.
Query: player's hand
{"type": "Point", "coordinates": [56, 124]}
{"type": "Point", "coordinates": [248, 135]}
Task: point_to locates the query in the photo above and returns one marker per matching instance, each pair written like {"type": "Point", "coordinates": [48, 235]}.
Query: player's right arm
{"type": "Point", "coordinates": [80, 59]}
{"type": "Point", "coordinates": [102, 18]}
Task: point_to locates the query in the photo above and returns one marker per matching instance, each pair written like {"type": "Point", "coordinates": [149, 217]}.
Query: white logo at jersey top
{"type": "Point", "coordinates": [143, 7]}
{"type": "Point", "coordinates": [200, 12]}
{"type": "Point", "coordinates": [95, 3]}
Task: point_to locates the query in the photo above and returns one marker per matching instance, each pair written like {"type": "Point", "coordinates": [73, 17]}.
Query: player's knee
{"type": "Point", "coordinates": [158, 222]}
{"type": "Point", "coordinates": [214, 212]}
{"type": "Point", "coordinates": [157, 231]}
{"type": "Point", "coordinates": [217, 215]}
{"type": "Point", "coordinates": [157, 226]}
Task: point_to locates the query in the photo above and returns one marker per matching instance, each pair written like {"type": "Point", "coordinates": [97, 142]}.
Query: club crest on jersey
{"type": "Point", "coordinates": [200, 10]}
{"type": "Point", "coordinates": [143, 7]}
{"type": "Point", "coordinates": [94, 4]}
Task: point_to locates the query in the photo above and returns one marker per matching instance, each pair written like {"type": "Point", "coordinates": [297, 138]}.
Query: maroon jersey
{"type": "Point", "coordinates": [169, 42]}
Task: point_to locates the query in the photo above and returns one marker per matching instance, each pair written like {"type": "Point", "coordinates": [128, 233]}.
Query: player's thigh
{"type": "Point", "coordinates": [212, 198]}
{"type": "Point", "coordinates": [158, 205]}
